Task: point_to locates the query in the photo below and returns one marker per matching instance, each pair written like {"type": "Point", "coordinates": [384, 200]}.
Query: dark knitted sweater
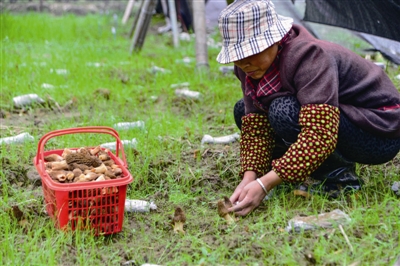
{"type": "Point", "coordinates": [321, 72]}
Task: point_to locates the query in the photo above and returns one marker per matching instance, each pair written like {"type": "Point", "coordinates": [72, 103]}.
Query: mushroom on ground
{"type": "Point", "coordinates": [223, 206]}
{"type": "Point", "coordinates": [178, 220]}
{"type": "Point", "coordinates": [302, 193]}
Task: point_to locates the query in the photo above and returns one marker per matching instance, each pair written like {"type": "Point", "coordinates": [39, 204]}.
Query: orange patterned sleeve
{"type": "Point", "coordinates": [256, 144]}
{"type": "Point", "coordinates": [316, 141]}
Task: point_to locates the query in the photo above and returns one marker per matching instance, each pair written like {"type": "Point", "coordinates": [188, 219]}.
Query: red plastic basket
{"type": "Point", "coordinates": [97, 206]}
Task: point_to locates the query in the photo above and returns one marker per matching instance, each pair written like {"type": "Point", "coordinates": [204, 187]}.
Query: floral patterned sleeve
{"type": "Point", "coordinates": [316, 141]}
{"type": "Point", "coordinates": [256, 144]}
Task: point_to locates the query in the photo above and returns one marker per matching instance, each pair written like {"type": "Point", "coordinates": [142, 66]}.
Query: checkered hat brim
{"type": "Point", "coordinates": [249, 27]}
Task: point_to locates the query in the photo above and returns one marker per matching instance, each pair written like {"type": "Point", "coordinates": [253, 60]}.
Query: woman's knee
{"type": "Point", "coordinates": [283, 115]}
{"type": "Point", "coordinates": [239, 112]}
{"type": "Point", "coordinates": [363, 147]}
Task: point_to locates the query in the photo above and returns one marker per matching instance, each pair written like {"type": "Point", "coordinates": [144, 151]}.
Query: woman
{"type": "Point", "coordinates": [310, 108]}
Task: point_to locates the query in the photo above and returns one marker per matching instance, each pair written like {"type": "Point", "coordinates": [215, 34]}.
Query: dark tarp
{"type": "Point", "coordinates": [376, 17]}
{"type": "Point", "coordinates": [388, 48]}
{"type": "Point", "coordinates": [286, 8]}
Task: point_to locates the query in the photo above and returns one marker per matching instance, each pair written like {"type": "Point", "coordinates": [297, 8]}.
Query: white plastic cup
{"type": "Point", "coordinates": [220, 140]}
{"type": "Point", "coordinates": [139, 206]}
{"type": "Point", "coordinates": [126, 143]}
{"type": "Point", "coordinates": [187, 93]}
{"type": "Point", "coordinates": [27, 100]}
{"type": "Point", "coordinates": [20, 138]}
{"type": "Point", "coordinates": [129, 125]}
{"type": "Point", "coordinates": [183, 85]}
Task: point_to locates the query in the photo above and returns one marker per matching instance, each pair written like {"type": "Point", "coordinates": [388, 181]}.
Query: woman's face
{"type": "Point", "coordinates": [256, 65]}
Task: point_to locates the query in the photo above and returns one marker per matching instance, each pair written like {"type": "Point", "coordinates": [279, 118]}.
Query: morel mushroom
{"type": "Point", "coordinates": [91, 176]}
{"type": "Point", "coordinates": [53, 158]}
{"type": "Point", "coordinates": [302, 193]}
{"type": "Point", "coordinates": [101, 178]}
{"type": "Point", "coordinates": [95, 150]}
{"type": "Point", "coordinates": [87, 177]}
{"type": "Point", "coordinates": [178, 220]}
{"type": "Point", "coordinates": [66, 152]}
{"type": "Point", "coordinates": [104, 156]}
{"type": "Point", "coordinates": [62, 165]}
{"type": "Point", "coordinates": [110, 174]}
{"type": "Point", "coordinates": [109, 162]}
{"type": "Point", "coordinates": [117, 171]}
{"type": "Point", "coordinates": [60, 175]}
{"type": "Point", "coordinates": [83, 158]}
{"type": "Point", "coordinates": [84, 165]}
{"type": "Point", "coordinates": [223, 206]}
{"type": "Point", "coordinates": [100, 169]}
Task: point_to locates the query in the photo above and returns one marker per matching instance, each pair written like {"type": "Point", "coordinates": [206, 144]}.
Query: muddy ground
{"type": "Point", "coordinates": [219, 165]}
{"type": "Point", "coordinates": [22, 175]}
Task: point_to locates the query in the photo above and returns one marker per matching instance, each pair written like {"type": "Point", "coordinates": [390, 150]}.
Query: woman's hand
{"type": "Point", "coordinates": [248, 177]}
{"type": "Point", "coordinates": [249, 193]}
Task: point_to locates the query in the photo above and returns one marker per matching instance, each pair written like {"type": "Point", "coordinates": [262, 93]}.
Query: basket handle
{"type": "Point", "coordinates": [91, 129]}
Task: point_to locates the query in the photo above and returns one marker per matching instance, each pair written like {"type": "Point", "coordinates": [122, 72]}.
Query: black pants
{"type": "Point", "coordinates": [354, 144]}
{"type": "Point", "coordinates": [183, 13]}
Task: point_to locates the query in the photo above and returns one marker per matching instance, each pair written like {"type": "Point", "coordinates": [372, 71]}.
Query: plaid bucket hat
{"type": "Point", "coordinates": [249, 27]}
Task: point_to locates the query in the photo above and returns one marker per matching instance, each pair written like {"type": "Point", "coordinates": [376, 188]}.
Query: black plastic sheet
{"type": "Point", "coordinates": [376, 17]}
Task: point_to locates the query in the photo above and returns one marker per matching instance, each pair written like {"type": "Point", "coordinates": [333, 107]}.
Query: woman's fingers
{"type": "Point", "coordinates": [235, 196]}
{"type": "Point", "coordinates": [250, 197]}
{"type": "Point", "coordinates": [243, 207]}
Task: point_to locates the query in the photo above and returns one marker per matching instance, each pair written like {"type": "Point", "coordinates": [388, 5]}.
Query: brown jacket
{"type": "Point", "coordinates": [319, 72]}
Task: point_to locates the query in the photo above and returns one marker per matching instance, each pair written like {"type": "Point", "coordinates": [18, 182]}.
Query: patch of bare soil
{"type": "Point", "coordinates": [21, 120]}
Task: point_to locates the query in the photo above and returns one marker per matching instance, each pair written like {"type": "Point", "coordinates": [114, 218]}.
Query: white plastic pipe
{"type": "Point", "coordinates": [174, 24]}
{"type": "Point", "coordinates": [201, 34]}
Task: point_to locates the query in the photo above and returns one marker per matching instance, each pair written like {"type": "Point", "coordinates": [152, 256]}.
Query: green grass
{"type": "Point", "coordinates": [169, 165]}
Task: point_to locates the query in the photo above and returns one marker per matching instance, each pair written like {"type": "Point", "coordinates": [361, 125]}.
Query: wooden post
{"type": "Point", "coordinates": [128, 11]}
{"type": "Point", "coordinates": [201, 34]}
{"type": "Point", "coordinates": [142, 24]}
{"type": "Point", "coordinates": [136, 16]}
{"type": "Point", "coordinates": [149, 15]}
{"type": "Point", "coordinates": [139, 24]}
